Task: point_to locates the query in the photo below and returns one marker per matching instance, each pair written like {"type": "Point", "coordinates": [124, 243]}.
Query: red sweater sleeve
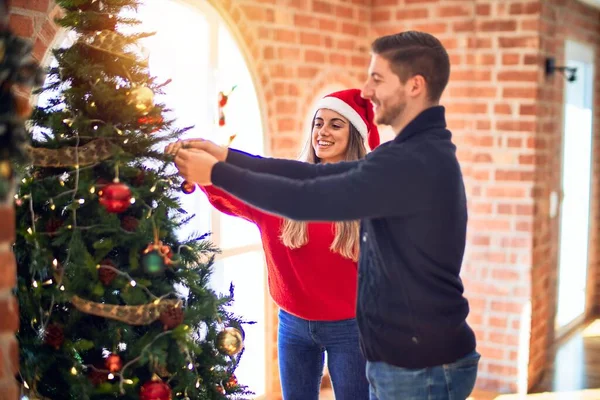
{"type": "Point", "coordinates": [229, 204]}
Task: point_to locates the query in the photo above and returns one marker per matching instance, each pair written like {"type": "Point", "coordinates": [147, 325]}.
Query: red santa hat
{"type": "Point", "coordinates": [349, 104]}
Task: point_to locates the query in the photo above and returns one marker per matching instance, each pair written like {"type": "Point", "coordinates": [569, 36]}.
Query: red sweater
{"type": "Point", "coordinates": [311, 282]}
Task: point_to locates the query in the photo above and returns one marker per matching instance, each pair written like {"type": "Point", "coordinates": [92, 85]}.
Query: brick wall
{"type": "Point", "coordinates": [560, 20]}
{"type": "Point", "coordinates": [504, 115]}
{"type": "Point", "coordinates": [9, 323]}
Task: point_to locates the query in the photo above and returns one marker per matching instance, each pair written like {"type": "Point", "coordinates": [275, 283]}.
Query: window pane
{"type": "Point", "coordinates": [247, 273]}
{"type": "Point", "coordinates": [243, 119]}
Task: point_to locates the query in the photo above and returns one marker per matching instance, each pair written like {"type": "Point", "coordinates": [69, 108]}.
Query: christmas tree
{"type": "Point", "coordinates": [113, 304]}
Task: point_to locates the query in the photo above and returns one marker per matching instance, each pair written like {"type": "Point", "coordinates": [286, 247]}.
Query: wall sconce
{"type": "Point", "coordinates": [568, 72]}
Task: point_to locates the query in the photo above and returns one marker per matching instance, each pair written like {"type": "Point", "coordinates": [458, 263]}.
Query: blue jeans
{"type": "Point", "coordinates": [445, 382]}
{"type": "Point", "coordinates": [302, 345]}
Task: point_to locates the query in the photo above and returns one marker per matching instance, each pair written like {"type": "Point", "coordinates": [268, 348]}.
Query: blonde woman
{"type": "Point", "coordinates": [312, 267]}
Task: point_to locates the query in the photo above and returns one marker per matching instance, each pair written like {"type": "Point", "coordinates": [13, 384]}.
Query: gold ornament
{"type": "Point", "coordinates": [230, 341]}
{"type": "Point", "coordinates": [6, 170]}
{"type": "Point", "coordinates": [143, 99]}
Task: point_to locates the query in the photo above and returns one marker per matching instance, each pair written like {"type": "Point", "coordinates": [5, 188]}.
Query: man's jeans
{"type": "Point", "coordinates": [445, 382]}
{"type": "Point", "coordinates": [302, 345]}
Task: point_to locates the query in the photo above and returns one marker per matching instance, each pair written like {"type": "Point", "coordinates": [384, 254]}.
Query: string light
{"type": "Point", "coordinates": [74, 371]}
{"type": "Point", "coordinates": [35, 284]}
{"type": "Point", "coordinates": [62, 288]}
{"type": "Point", "coordinates": [190, 366]}
{"type": "Point", "coordinates": [30, 231]}
{"type": "Point", "coordinates": [81, 201]}
{"type": "Point", "coordinates": [132, 201]}
{"type": "Point", "coordinates": [111, 376]}
{"type": "Point", "coordinates": [133, 283]}
{"type": "Point", "coordinates": [92, 189]}
{"type": "Point", "coordinates": [55, 263]}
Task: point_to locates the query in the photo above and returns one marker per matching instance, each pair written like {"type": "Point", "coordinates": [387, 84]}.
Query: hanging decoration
{"type": "Point", "coordinates": [115, 197]}
{"type": "Point", "coordinates": [133, 315]}
{"type": "Point", "coordinates": [90, 153]}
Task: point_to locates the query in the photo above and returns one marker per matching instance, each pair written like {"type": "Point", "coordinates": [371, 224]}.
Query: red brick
{"type": "Point", "coordinates": [7, 216]}
{"type": "Point", "coordinates": [412, 13]}
{"type": "Point", "coordinates": [455, 11]}
{"type": "Point", "coordinates": [9, 309]}
{"type": "Point", "coordinates": [8, 267]}
{"type": "Point", "coordinates": [21, 25]}
{"type": "Point", "coordinates": [32, 5]}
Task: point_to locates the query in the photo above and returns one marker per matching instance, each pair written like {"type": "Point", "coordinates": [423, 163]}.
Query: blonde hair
{"type": "Point", "coordinates": [294, 234]}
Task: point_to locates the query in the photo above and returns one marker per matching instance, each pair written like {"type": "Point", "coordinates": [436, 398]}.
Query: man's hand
{"type": "Point", "coordinates": [195, 165]}
{"type": "Point", "coordinates": [220, 153]}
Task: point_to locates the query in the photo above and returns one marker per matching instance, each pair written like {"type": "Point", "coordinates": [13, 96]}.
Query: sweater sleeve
{"type": "Point", "coordinates": [286, 168]}
{"type": "Point", "coordinates": [228, 204]}
{"type": "Point", "coordinates": [389, 183]}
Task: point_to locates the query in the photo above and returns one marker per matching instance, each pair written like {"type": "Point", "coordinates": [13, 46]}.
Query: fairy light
{"type": "Point", "coordinates": [74, 371]}
{"type": "Point", "coordinates": [52, 206]}
{"type": "Point", "coordinates": [129, 381]}
{"type": "Point", "coordinates": [62, 288]}
{"type": "Point", "coordinates": [25, 384]}
{"type": "Point", "coordinates": [190, 366]}
{"type": "Point", "coordinates": [153, 189]}
{"type": "Point", "coordinates": [125, 141]}
{"type": "Point", "coordinates": [35, 284]}
{"type": "Point", "coordinates": [93, 189]}
{"type": "Point", "coordinates": [133, 283]}
{"type": "Point", "coordinates": [55, 263]}
{"type": "Point", "coordinates": [197, 383]}
{"type": "Point", "coordinates": [30, 231]}
{"type": "Point", "coordinates": [111, 376]}
{"type": "Point", "coordinates": [81, 201]}
{"type": "Point", "coordinates": [132, 201]}
{"type": "Point", "coordinates": [48, 282]}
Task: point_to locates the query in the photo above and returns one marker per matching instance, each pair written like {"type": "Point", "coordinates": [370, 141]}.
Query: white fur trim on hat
{"type": "Point", "coordinates": [344, 109]}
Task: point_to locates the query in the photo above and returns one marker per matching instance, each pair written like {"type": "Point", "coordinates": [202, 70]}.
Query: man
{"type": "Point", "coordinates": [410, 197]}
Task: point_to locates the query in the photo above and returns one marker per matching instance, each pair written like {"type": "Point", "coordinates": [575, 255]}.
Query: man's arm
{"type": "Point", "coordinates": [286, 168]}
{"type": "Point", "coordinates": [393, 183]}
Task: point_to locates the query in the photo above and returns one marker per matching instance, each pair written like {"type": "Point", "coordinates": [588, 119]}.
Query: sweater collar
{"type": "Point", "coordinates": [430, 118]}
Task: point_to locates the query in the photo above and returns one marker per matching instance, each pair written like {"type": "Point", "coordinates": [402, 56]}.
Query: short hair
{"type": "Point", "coordinates": [413, 53]}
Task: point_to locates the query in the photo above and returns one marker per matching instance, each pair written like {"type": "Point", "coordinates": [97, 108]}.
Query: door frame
{"type": "Point", "coordinates": [575, 50]}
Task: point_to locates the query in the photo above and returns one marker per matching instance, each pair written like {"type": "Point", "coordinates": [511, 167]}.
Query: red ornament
{"type": "Point", "coordinates": [223, 99]}
{"type": "Point", "coordinates": [155, 390]}
{"type": "Point", "coordinates": [96, 376]}
{"type": "Point", "coordinates": [188, 187]}
{"type": "Point", "coordinates": [129, 223]}
{"type": "Point", "coordinates": [149, 123]}
{"type": "Point", "coordinates": [113, 363]}
{"type": "Point", "coordinates": [115, 197]}
{"type": "Point", "coordinates": [150, 120]}
{"type": "Point", "coordinates": [221, 118]}
{"type": "Point", "coordinates": [172, 317]}
{"type": "Point", "coordinates": [53, 225]}
{"type": "Point", "coordinates": [106, 275]}
{"type": "Point", "coordinates": [232, 383]}
{"type": "Point", "coordinates": [54, 336]}
{"type": "Point", "coordinates": [139, 179]}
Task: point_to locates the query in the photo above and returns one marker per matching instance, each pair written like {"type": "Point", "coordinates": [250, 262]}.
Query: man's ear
{"type": "Point", "coordinates": [416, 86]}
